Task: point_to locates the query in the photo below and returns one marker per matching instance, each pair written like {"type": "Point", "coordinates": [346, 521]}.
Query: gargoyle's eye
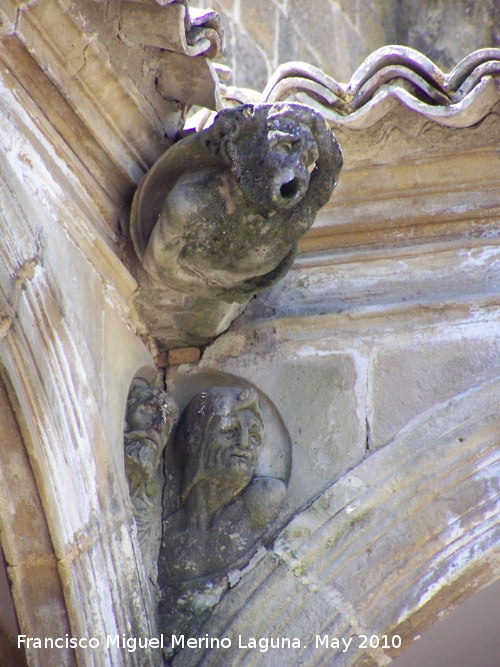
{"type": "Point", "coordinates": [230, 430]}
{"type": "Point", "coordinates": [255, 438]}
{"type": "Point", "coordinates": [287, 146]}
{"type": "Point", "coordinates": [284, 143]}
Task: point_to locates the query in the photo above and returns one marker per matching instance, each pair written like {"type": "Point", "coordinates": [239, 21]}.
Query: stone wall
{"type": "Point", "coordinates": [378, 351]}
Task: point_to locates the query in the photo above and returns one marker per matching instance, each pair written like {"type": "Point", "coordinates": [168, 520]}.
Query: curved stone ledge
{"type": "Point", "coordinates": [390, 77]}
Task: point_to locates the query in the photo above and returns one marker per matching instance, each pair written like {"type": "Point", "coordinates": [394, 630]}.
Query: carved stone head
{"type": "Point", "coordinates": [219, 439]}
{"type": "Point", "coordinates": [269, 150]}
{"type": "Point", "coordinates": [228, 506]}
{"type": "Point", "coordinates": [151, 415]}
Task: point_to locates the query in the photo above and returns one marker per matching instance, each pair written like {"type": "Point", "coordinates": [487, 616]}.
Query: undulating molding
{"type": "Point", "coordinates": [392, 76]}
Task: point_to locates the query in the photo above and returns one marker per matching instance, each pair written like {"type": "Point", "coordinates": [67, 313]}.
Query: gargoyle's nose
{"type": "Point", "coordinates": [243, 439]}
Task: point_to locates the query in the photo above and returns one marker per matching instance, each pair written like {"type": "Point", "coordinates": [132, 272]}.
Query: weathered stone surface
{"type": "Point", "coordinates": [7, 19]}
{"type": "Point", "coordinates": [164, 26]}
{"type": "Point", "coordinates": [322, 447]}
{"type": "Point", "coordinates": [447, 36]}
{"type": "Point", "coordinates": [182, 77]}
{"type": "Point", "coordinates": [183, 355]}
{"type": "Point", "coordinates": [224, 508]}
{"type": "Point", "coordinates": [407, 260]}
{"type": "Point", "coordinates": [69, 349]}
{"type": "Point", "coordinates": [409, 379]}
{"type": "Point", "coordinates": [220, 214]}
{"type": "Point", "coordinates": [150, 417]}
{"type": "Point", "coordinates": [26, 545]}
{"type": "Point", "coordinates": [396, 293]}
{"type": "Point", "coordinates": [9, 627]}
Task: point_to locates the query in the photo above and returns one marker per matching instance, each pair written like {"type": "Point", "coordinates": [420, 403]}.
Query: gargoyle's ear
{"type": "Point", "coordinates": [228, 120]}
{"type": "Point", "coordinates": [224, 129]}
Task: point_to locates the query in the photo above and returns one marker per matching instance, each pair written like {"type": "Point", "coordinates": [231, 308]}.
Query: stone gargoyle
{"type": "Point", "coordinates": [219, 215]}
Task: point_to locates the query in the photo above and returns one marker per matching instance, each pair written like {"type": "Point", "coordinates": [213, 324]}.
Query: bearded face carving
{"type": "Point", "coordinates": [227, 506]}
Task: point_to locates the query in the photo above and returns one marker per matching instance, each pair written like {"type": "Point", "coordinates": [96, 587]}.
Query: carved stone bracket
{"type": "Point", "coordinates": [181, 33]}
{"type": "Point", "coordinates": [173, 26]}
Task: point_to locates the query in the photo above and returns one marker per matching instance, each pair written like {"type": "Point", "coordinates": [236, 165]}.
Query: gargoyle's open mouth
{"type": "Point", "coordinates": [289, 189]}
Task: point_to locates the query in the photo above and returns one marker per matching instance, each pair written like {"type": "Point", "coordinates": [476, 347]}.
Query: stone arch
{"type": "Point", "coordinates": [406, 535]}
{"type": "Point", "coordinates": [81, 489]}
{"type": "Point", "coordinates": [26, 543]}
{"type": "Point", "coordinates": [67, 400]}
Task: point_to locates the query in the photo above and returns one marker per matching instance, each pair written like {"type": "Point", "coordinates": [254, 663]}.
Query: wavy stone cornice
{"type": "Point", "coordinates": [393, 74]}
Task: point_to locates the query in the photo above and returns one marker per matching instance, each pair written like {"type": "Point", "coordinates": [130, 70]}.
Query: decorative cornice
{"type": "Point", "coordinates": [392, 74]}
